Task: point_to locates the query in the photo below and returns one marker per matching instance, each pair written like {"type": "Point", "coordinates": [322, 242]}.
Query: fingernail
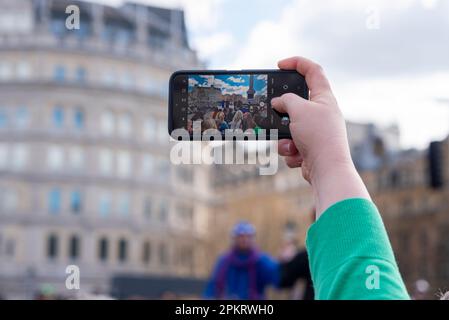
{"type": "Point", "coordinates": [286, 148]}
{"type": "Point", "coordinates": [274, 101]}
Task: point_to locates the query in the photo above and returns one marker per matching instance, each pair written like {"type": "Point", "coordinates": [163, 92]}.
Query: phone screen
{"type": "Point", "coordinates": [232, 101]}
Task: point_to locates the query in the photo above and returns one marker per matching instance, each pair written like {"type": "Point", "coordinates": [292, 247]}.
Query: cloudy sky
{"type": "Point", "coordinates": [235, 84]}
{"type": "Point", "coordinates": [388, 61]}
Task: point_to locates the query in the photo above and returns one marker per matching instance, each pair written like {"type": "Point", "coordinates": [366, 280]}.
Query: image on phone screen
{"type": "Point", "coordinates": [230, 102]}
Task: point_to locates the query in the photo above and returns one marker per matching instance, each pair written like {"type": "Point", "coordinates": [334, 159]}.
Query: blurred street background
{"type": "Point", "coordinates": [85, 174]}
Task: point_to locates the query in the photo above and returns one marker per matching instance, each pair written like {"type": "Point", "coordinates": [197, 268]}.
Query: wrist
{"type": "Point", "coordinates": [335, 179]}
{"type": "Point", "coordinates": [327, 165]}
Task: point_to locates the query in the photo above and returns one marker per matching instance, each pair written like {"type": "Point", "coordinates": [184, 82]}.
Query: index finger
{"type": "Point", "coordinates": [313, 73]}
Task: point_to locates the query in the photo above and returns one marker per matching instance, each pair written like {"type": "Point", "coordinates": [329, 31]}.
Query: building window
{"type": "Point", "coordinates": [81, 75]}
{"type": "Point", "coordinates": [147, 165]}
{"type": "Point", "coordinates": [85, 29]}
{"type": "Point", "coordinates": [22, 118]}
{"type": "Point", "coordinates": [107, 123]}
{"type": "Point", "coordinates": [163, 168]}
{"type": "Point", "coordinates": [124, 164]}
{"type": "Point", "coordinates": [54, 201]}
{"type": "Point", "coordinates": [124, 204]}
{"type": "Point", "coordinates": [8, 200]}
{"type": "Point", "coordinates": [163, 211]}
{"type": "Point", "coordinates": [78, 119]}
{"type": "Point", "coordinates": [52, 246]}
{"type": "Point", "coordinates": [108, 79]}
{"type": "Point", "coordinates": [148, 208]}
{"type": "Point", "coordinates": [55, 158]}
{"type": "Point", "coordinates": [5, 71]}
{"type": "Point", "coordinates": [105, 204]}
{"type": "Point", "coordinates": [103, 249]}
{"type": "Point", "coordinates": [163, 132]}
{"type": "Point", "coordinates": [74, 247]}
{"type": "Point", "coordinates": [163, 254]}
{"type": "Point", "coordinates": [23, 70]}
{"type": "Point", "coordinates": [58, 117]}
{"type": "Point", "coordinates": [57, 27]}
{"type": "Point", "coordinates": [163, 90]}
{"type": "Point", "coordinates": [3, 119]}
{"type": "Point", "coordinates": [151, 86]}
{"type": "Point", "coordinates": [127, 82]}
{"type": "Point", "coordinates": [19, 156]}
{"type": "Point", "coordinates": [106, 162]}
{"type": "Point", "coordinates": [76, 202]}
{"type": "Point", "coordinates": [59, 74]}
{"type": "Point", "coordinates": [76, 158]}
{"type": "Point", "coordinates": [3, 155]}
{"type": "Point", "coordinates": [124, 125]}
{"type": "Point", "coordinates": [122, 250]}
{"type": "Point", "coordinates": [185, 214]}
{"type": "Point", "coordinates": [10, 248]}
{"type": "Point", "coordinates": [185, 174]}
{"type": "Point", "coordinates": [149, 129]}
{"type": "Point", "coordinates": [146, 254]}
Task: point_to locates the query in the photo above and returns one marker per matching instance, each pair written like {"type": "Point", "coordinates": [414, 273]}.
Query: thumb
{"type": "Point", "coordinates": [289, 103]}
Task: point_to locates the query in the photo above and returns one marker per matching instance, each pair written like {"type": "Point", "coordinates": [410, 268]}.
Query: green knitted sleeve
{"type": "Point", "coordinates": [350, 254]}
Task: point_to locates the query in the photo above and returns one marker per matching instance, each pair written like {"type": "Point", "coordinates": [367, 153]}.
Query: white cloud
{"type": "Point", "coordinates": [211, 45]}
{"type": "Point", "coordinates": [410, 102]}
{"type": "Point", "coordinates": [266, 42]}
{"type": "Point", "coordinates": [192, 82]}
{"type": "Point", "coordinates": [262, 91]}
{"type": "Point", "coordinates": [230, 89]}
{"type": "Point", "coordinates": [382, 76]}
{"type": "Point", "coordinates": [410, 38]}
{"type": "Point", "coordinates": [200, 14]}
{"type": "Point", "coordinates": [236, 79]}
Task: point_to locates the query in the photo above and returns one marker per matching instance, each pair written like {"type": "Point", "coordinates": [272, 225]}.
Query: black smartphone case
{"type": "Point", "coordinates": [305, 94]}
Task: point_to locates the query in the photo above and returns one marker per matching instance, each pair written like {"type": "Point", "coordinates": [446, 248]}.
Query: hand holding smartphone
{"type": "Point", "coordinates": [227, 102]}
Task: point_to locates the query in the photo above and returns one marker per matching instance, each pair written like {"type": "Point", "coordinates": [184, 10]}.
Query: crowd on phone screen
{"type": "Point", "coordinates": [230, 119]}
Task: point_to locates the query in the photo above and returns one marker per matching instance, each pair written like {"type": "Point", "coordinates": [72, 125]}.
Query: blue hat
{"type": "Point", "coordinates": [243, 228]}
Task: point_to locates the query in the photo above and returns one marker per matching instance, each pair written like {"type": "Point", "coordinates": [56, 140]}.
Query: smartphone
{"type": "Point", "coordinates": [231, 101]}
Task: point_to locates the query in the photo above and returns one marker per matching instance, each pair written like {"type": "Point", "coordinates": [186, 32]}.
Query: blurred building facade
{"type": "Point", "coordinates": [371, 145]}
{"type": "Point", "coordinates": [85, 176]}
{"type": "Point", "coordinates": [416, 214]}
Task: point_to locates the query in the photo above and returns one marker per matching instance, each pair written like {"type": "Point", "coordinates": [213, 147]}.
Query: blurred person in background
{"type": "Point", "coordinates": [295, 266]}
{"type": "Point", "coordinates": [243, 272]}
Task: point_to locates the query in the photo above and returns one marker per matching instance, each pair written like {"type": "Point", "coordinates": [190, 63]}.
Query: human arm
{"type": "Point", "coordinates": [350, 236]}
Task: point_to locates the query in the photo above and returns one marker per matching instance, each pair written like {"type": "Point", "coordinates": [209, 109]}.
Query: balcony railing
{"type": "Point", "coordinates": [170, 56]}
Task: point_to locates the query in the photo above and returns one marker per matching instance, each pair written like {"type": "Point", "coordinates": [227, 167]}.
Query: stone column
{"type": "Point", "coordinates": [176, 27]}
{"type": "Point", "coordinates": [141, 24]}
{"type": "Point", "coordinates": [44, 7]}
{"type": "Point", "coordinates": [97, 20]}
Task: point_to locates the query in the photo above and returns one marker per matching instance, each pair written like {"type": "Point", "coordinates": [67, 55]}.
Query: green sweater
{"type": "Point", "coordinates": [350, 254]}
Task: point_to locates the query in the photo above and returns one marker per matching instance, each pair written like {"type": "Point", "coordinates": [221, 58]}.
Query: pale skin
{"type": "Point", "coordinates": [319, 144]}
